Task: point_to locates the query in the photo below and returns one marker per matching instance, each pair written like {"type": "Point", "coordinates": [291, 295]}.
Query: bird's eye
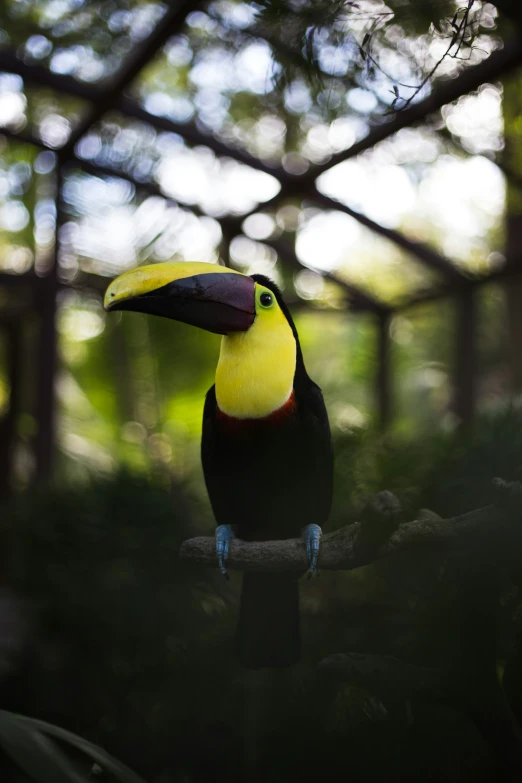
{"type": "Point", "coordinates": [266, 299]}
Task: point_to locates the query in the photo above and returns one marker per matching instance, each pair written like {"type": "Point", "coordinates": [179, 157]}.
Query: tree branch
{"type": "Point", "coordinates": [342, 549]}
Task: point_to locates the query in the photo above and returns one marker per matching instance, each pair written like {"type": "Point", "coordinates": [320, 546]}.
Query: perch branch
{"type": "Point", "coordinates": [360, 543]}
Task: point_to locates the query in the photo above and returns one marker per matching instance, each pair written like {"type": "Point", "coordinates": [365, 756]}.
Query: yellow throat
{"type": "Point", "coordinates": [255, 372]}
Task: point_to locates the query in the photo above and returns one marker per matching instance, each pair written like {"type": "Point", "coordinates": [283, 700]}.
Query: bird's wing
{"type": "Point", "coordinates": [319, 464]}
{"type": "Point", "coordinates": [210, 461]}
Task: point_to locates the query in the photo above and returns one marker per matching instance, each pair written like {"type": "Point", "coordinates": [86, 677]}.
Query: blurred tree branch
{"type": "Point", "coordinates": [465, 679]}
{"type": "Point", "coordinates": [474, 692]}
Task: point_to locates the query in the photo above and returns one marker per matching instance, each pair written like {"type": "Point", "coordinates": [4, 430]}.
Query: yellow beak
{"type": "Point", "coordinates": [211, 297]}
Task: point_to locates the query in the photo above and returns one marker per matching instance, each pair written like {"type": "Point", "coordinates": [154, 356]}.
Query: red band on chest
{"type": "Point", "coordinates": [243, 426]}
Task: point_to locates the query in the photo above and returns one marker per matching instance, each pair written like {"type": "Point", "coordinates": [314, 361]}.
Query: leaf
{"type": "Point", "coordinates": [25, 741]}
{"type": "Point", "coordinates": [36, 755]}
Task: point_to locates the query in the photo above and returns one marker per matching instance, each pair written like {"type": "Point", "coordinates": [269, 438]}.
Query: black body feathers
{"type": "Point", "coordinates": [269, 478]}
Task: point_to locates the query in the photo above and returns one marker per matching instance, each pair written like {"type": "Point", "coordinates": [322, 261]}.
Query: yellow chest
{"type": "Point", "coordinates": [255, 372]}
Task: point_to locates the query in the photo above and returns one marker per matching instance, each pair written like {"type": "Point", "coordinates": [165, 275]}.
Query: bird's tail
{"type": "Point", "coordinates": [268, 630]}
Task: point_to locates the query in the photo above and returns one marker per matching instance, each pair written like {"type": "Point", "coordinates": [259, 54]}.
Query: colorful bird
{"type": "Point", "coordinates": [266, 447]}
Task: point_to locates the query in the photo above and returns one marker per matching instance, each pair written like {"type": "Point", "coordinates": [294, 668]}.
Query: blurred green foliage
{"type": "Point", "coordinates": [117, 622]}
{"type": "Point", "coordinates": [133, 649]}
{"type": "Point", "coordinates": [132, 389]}
{"type": "Point", "coordinates": [96, 35]}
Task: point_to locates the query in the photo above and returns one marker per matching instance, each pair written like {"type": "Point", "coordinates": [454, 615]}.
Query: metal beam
{"type": "Point", "coordinates": [230, 224]}
{"type": "Point", "coordinates": [497, 64]}
{"type": "Point", "coordinates": [230, 227]}
{"type": "Point", "coordinates": [36, 74]}
{"type": "Point", "coordinates": [359, 299]}
{"type": "Point", "coordinates": [423, 253]}
{"type": "Point", "coordinates": [170, 23]}
{"type": "Point", "coordinates": [494, 66]}
{"type": "Point", "coordinates": [191, 133]}
{"type": "Point", "coordinates": [25, 138]}
{"type": "Point", "coordinates": [98, 170]}
{"type": "Point", "coordinates": [511, 269]}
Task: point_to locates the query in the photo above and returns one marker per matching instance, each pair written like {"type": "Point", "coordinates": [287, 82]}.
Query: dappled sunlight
{"type": "Point", "coordinates": [88, 42]}
{"type": "Point", "coordinates": [218, 187]}
{"type": "Point", "coordinates": [12, 102]}
{"type": "Point", "coordinates": [50, 116]}
{"type": "Point", "coordinates": [192, 176]}
{"type": "Point", "coordinates": [325, 239]}
{"type": "Point", "coordinates": [466, 217]}
{"type": "Point", "coordinates": [253, 257]}
{"type": "Point", "coordinates": [80, 318]}
{"type": "Point", "coordinates": [477, 120]}
{"type": "Point", "coordinates": [111, 231]}
{"type": "Point", "coordinates": [368, 189]}
{"type": "Point", "coordinates": [333, 242]}
{"type": "Point", "coordinates": [416, 182]}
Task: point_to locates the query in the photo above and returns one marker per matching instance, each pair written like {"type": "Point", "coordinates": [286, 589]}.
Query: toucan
{"type": "Point", "coordinates": [266, 447]}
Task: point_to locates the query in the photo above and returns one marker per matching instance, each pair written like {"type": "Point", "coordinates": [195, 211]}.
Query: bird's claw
{"type": "Point", "coordinates": [312, 536]}
{"type": "Point", "coordinates": [224, 535]}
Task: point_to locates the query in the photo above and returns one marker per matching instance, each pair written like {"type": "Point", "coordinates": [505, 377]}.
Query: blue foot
{"type": "Point", "coordinates": [312, 536]}
{"type": "Point", "coordinates": [224, 535]}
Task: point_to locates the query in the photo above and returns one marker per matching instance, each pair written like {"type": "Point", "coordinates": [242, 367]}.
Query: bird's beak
{"type": "Point", "coordinates": [212, 297]}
